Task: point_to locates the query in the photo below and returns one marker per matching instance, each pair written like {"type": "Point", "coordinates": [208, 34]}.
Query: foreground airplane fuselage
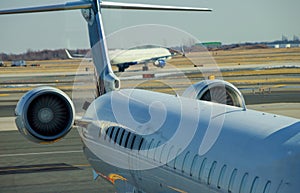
{"type": "Point", "coordinates": [250, 151]}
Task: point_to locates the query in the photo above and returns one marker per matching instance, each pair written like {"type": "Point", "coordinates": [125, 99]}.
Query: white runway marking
{"type": "Point", "coordinates": [41, 153]}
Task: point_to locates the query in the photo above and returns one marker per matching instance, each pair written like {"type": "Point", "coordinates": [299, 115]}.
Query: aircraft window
{"type": "Point", "coordinates": [150, 146]}
{"type": "Point", "coordinates": [185, 160]}
{"type": "Point", "coordinates": [111, 133]}
{"type": "Point", "coordinates": [156, 154]}
{"type": "Point", "coordinates": [121, 138]}
{"type": "Point", "coordinates": [243, 183]}
{"type": "Point", "coordinates": [117, 134]}
{"type": "Point", "coordinates": [138, 142]}
{"type": "Point", "coordinates": [151, 153]}
{"type": "Point", "coordinates": [267, 187]}
{"type": "Point", "coordinates": [231, 181]}
{"type": "Point", "coordinates": [124, 138]}
{"type": "Point", "coordinates": [108, 131]}
{"type": "Point", "coordinates": [132, 141]}
{"type": "Point", "coordinates": [193, 166]}
{"type": "Point", "coordinates": [201, 171]}
{"type": "Point", "coordinates": [141, 143]}
{"type": "Point", "coordinates": [162, 153]}
{"type": "Point", "coordinates": [176, 159]}
{"type": "Point", "coordinates": [254, 185]}
{"type": "Point", "coordinates": [211, 172]}
{"type": "Point", "coordinates": [221, 176]}
{"type": "Point", "coordinates": [127, 138]}
{"type": "Point", "coordinates": [99, 132]}
{"type": "Point", "coordinates": [169, 154]}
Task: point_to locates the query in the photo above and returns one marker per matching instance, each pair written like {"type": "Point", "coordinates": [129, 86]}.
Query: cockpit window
{"type": "Point", "coordinates": [124, 138]}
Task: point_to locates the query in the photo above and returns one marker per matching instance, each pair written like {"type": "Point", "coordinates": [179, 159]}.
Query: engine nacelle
{"type": "Point", "coordinates": [45, 114]}
{"type": "Point", "coordinates": [160, 63]}
{"type": "Point", "coordinates": [217, 91]}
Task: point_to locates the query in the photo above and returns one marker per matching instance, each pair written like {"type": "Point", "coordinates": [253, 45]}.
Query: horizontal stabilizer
{"type": "Point", "coordinates": [58, 7]}
{"type": "Point", "coordinates": [116, 5]}
{"type": "Point", "coordinates": [108, 5]}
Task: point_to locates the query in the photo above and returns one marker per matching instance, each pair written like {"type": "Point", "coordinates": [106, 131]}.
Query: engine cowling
{"type": "Point", "coordinates": [45, 115]}
{"type": "Point", "coordinates": [160, 63]}
{"type": "Point", "coordinates": [217, 91]}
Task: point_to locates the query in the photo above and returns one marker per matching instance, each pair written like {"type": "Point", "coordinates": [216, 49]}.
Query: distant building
{"type": "Point", "coordinates": [18, 63]}
{"type": "Point", "coordinates": [210, 44]}
{"type": "Point", "coordinates": [292, 45]}
{"type": "Point", "coordinates": [284, 43]}
{"type": "Point", "coordinates": [295, 45]}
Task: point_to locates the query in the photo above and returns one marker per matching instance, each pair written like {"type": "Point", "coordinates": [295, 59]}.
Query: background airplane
{"type": "Point", "coordinates": [125, 58]}
{"type": "Point", "coordinates": [145, 141]}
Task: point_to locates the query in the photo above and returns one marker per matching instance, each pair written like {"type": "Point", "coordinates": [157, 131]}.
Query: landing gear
{"type": "Point", "coordinates": [145, 68]}
{"type": "Point", "coordinates": [121, 69]}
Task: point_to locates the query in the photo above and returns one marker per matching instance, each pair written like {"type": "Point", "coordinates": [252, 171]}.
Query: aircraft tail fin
{"type": "Point", "coordinates": [182, 51]}
{"type": "Point", "coordinates": [135, 6]}
{"type": "Point", "coordinates": [68, 54]}
{"type": "Point", "coordinates": [47, 8]}
{"type": "Point", "coordinates": [107, 5]}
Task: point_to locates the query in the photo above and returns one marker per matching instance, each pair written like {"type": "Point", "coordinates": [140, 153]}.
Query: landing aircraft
{"type": "Point", "coordinates": [125, 58]}
{"type": "Point", "coordinates": [149, 142]}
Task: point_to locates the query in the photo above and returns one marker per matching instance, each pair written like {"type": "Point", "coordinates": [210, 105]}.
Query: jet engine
{"type": "Point", "coordinates": [217, 91]}
{"type": "Point", "coordinates": [44, 115]}
{"type": "Point", "coordinates": [159, 63]}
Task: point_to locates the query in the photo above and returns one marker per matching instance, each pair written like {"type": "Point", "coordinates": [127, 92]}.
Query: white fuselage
{"type": "Point", "coordinates": [165, 143]}
{"type": "Point", "coordinates": [138, 55]}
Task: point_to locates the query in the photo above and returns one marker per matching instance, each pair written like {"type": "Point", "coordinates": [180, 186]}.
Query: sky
{"type": "Point", "coordinates": [232, 21]}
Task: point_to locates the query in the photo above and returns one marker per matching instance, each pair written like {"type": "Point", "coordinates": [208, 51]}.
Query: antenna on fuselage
{"type": "Point", "coordinates": [91, 11]}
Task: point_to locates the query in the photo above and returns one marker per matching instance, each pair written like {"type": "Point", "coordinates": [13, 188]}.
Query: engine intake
{"type": "Point", "coordinates": [217, 91]}
{"type": "Point", "coordinates": [45, 114]}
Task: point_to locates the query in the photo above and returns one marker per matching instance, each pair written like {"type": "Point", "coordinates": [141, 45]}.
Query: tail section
{"type": "Point", "coordinates": [107, 80]}
{"type": "Point", "coordinates": [91, 11]}
{"type": "Point", "coordinates": [68, 54]}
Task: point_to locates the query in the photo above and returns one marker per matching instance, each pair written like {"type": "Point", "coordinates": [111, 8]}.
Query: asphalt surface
{"type": "Point", "coordinates": [26, 167]}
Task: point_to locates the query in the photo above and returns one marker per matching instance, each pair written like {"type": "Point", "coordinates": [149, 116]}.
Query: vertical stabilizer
{"type": "Point", "coordinates": [107, 80]}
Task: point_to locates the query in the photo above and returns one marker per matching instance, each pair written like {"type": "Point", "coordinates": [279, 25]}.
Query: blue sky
{"type": "Point", "coordinates": [232, 21]}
